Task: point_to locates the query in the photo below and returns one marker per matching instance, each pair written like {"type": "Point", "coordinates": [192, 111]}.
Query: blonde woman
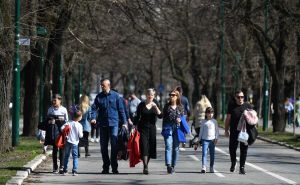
{"type": "Point", "coordinates": [84, 107]}
{"type": "Point", "coordinates": [172, 112]}
{"type": "Point", "coordinates": [199, 112]}
{"type": "Point", "coordinates": [146, 116]}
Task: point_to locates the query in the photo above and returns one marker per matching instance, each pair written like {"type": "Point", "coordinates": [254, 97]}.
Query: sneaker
{"type": "Point", "coordinates": [74, 173]}
{"type": "Point", "coordinates": [61, 170]}
{"type": "Point", "coordinates": [55, 171]}
{"type": "Point", "coordinates": [173, 170]}
{"type": "Point", "coordinates": [92, 140]}
{"type": "Point", "coordinates": [65, 173]}
{"type": "Point", "coordinates": [97, 140]}
{"type": "Point", "coordinates": [211, 169]}
{"type": "Point", "coordinates": [169, 169]}
{"type": "Point", "coordinates": [87, 155]}
{"type": "Point", "coordinates": [203, 169]}
{"type": "Point", "coordinates": [232, 168]}
{"type": "Point", "coordinates": [242, 171]}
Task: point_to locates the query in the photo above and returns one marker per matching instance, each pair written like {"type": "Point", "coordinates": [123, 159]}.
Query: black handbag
{"type": "Point", "coordinates": [253, 133]}
{"type": "Point", "coordinates": [83, 142]}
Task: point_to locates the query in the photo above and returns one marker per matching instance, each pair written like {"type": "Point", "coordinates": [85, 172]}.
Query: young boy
{"type": "Point", "coordinates": [209, 134]}
{"type": "Point", "coordinates": [76, 132]}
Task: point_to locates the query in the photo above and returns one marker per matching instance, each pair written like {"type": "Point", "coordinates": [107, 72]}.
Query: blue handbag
{"type": "Point", "coordinates": [181, 135]}
{"type": "Point", "coordinates": [184, 126]}
{"type": "Point", "coordinates": [166, 131]}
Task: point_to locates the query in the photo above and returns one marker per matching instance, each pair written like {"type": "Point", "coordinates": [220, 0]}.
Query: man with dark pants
{"type": "Point", "coordinates": [234, 112]}
{"type": "Point", "coordinates": [110, 111]}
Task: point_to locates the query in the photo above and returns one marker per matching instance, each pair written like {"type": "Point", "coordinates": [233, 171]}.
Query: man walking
{"type": "Point", "coordinates": [234, 112]}
{"type": "Point", "coordinates": [110, 112]}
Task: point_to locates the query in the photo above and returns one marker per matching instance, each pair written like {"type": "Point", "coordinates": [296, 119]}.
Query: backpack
{"type": "Point", "coordinates": [62, 137]}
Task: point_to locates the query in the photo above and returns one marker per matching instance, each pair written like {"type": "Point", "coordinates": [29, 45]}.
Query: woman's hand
{"type": "Point", "coordinates": [178, 121]}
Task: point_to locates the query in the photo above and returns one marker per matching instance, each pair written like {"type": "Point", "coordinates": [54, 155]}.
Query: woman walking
{"type": "Point", "coordinates": [85, 109]}
{"type": "Point", "coordinates": [172, 112]}
{"type": "Point", "coordinates": [146, 116]}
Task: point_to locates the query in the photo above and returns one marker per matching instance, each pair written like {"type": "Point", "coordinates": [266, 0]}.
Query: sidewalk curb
{"type": "Point", "coordinates": [27, 169]}
{"type": "Point", "coordinates": [279, 143]}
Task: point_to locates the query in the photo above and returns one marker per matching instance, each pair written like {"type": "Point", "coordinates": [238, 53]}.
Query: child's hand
{"type": "Point", "coordinates": [196, 146]}
{"type": "Point", "coordinates": [215, 141]}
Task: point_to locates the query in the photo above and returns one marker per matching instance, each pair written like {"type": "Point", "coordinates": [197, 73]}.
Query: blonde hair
{"type": "Point", "coordinates": [150, 91]}
{"type": "Point", "coordinates": [84, 103]}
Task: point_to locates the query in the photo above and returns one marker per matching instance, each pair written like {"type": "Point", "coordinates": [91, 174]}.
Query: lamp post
{"type": "Point", "coordinates": [266, 75]}
{"type": "Point", "coordinates": [41, 31]}
{"type": "Point", "coordinates": [222, 61]}
{"type": "Point", "coordinates": [236, 71]}
{"type": "Point", "coordinates": [16, 79]}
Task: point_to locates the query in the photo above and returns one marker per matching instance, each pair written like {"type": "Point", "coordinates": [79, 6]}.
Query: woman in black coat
{"type": "Point", "coordinates": [147, 113]}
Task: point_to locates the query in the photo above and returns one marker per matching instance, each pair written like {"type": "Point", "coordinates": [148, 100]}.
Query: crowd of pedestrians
{"type": "Point", "coordinates": [111, 112]}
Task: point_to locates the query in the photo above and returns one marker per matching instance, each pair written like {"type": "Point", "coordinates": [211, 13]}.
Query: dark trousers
{"type": "Point", "coordinates": [86, 148]}
{"type": "Point", "coordinates": [109, 133]}
{"type": "Point", "coordinates": [95, 128]}
{"type": "Point", "coordinates": [55, 150]}
{"type": "Point", "coordinates": [233, 144]}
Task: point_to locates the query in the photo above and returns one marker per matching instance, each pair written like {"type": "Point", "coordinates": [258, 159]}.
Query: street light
{"type": "Point", "coordinates": [222, 60]}
{"type": "Point", "coordinates": [266, 75]}
{"type": "Point", "coordinates": [16, 72]}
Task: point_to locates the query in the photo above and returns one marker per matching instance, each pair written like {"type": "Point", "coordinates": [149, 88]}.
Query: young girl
{"type": "Point", "coordinates": [72, 142]}
{"type": "Point", "coordinates": [209, 134]}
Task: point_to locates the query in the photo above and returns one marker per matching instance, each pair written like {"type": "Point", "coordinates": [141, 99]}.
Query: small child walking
{"type": "Point", "coordinates": [209, 134]}
{"type": "Point", "coordinates": [76, 132]}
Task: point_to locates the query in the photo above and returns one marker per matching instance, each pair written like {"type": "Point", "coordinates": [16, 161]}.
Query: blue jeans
{"type": "Point", "coordinates": [208, 144]}
{"type": "Point", "coordinates": [109, 133]}
{"type": "Point", "coordinates": [68, 148]}
{"type": "Point", "coordinates": [172, 147]}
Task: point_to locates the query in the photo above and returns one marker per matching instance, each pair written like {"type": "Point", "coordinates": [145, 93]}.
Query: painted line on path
{"type": "Point", "coordinates": [261, 169]}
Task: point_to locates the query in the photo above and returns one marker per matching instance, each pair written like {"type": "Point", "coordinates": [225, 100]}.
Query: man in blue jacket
{"type": "Point", "coordinates": [110, 111]}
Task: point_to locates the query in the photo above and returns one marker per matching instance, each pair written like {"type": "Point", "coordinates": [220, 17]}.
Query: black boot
{"type": "Point", "coordinates": [242, 170]}
{"type": "Point", "coordinates": [145, 163]}
{"type": "Point", "coordinates": [87, 154]}
{"type": "Point", "coordinates": [232, 168]}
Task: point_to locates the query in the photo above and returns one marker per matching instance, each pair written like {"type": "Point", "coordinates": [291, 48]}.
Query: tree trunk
{"type": "Point", "coordinates": [31, 100]}
{"type": "Point", "coordinates": [54, 47]}
{"type": "Point", "coordinates": [278, 120]}
{"type": "Point", "coordinates": [31, 78]}
{"type": "Point", "coordinates": [6, 61]}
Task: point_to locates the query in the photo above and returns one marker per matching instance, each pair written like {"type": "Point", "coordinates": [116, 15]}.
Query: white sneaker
{"type": "Point", "coordinates": [97, 140]}
{"type": "Point", "coordinates": [211, 169]}
{"type": "Point", "coordinates": [203, 169]}
{"type": "Point", "coordinates": [92, 140]}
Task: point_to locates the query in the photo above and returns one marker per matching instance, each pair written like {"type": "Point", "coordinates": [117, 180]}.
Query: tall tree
{"type": "Point", "coordinates": [6, 58]}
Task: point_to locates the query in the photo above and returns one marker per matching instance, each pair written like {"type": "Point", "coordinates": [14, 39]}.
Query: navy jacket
{"type": "Point", "coordinates": [109, 109]}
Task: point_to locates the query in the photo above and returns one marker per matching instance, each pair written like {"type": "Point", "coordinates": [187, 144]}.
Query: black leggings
{"type": "Point", "coordinates": [55, 150]}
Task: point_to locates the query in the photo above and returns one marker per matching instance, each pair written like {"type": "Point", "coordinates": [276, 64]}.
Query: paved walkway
{"type": "Point", "coordinates": [267, 163]}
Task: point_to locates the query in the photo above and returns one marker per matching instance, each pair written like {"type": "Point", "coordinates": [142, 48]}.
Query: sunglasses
{"type": "Point", "coordinates": [239, 97]}
{"type": "Point", "coordinates": [171, 95]}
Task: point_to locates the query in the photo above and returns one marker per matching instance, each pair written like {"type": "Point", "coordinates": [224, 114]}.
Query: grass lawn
{"type": "Point", "coordinates": [12, 161]}
{"type": "Point", "coordinates": [285, 137]}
